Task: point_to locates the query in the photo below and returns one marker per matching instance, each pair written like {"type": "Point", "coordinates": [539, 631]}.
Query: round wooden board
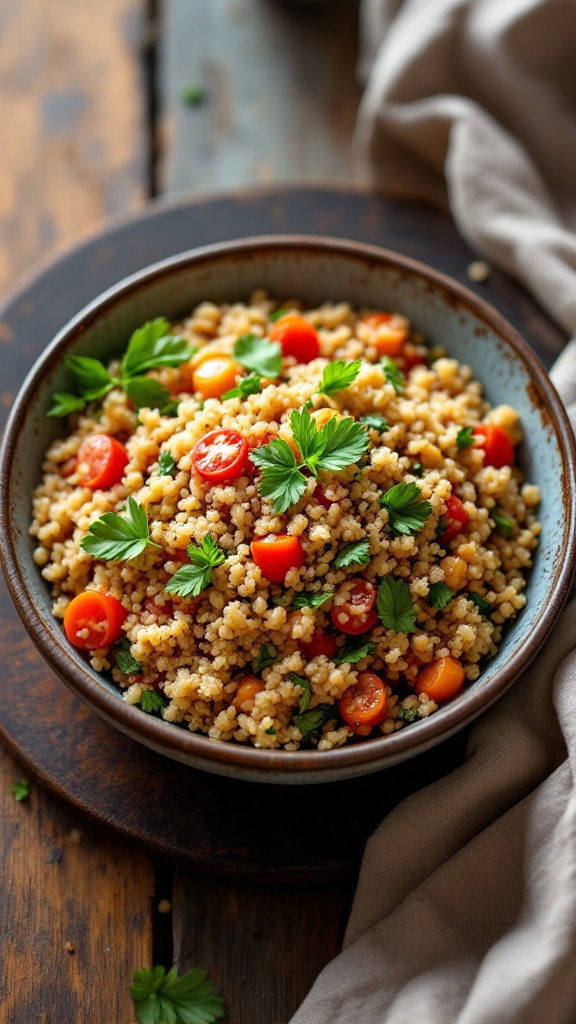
{"type": "Point", "coordinates": [284, 834]}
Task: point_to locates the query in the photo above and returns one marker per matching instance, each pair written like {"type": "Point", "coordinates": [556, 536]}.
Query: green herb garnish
{"type": "Point", "coordinates": [304, 600]}
{"type": "Point", "coordinates": [20, 790]}
{"type": "Point", "coordinates": [417, 469]}
{"type": "Point", "coordinates": [267, 656]}
{"type": "Point", "coordinates": [117, 538]}
{"type": "Point", "coordinates": [339, 375]}
{"type": "Point", "coordinates": [283, 599]}
{"type": "Point", "coordinates": [191, 580]}
{"type": "Point", "coordinates": [167, 998]}
{"type": "Point", "coordinates": [304, 702]}
{"type": "Point", "coordinates": [312, 721]}
{"type": "Point", "coordinates": [273, 317]}
{"type": "Point", "coordinates": [465, 437]}
{"type": "Point", "coordinates": [152, 702]}
{"type": "Point", "coordinates": [408, 714]}
{"type": "Point", "coordinates": [126, 663]}
{"type": "Point", "coordinates": [166, 464]}
{"type": "Point", "coordinates": [394, 605]}
{"type": "Point", "coordinates": [407, 509]}
{"type": "Point", "coordinates": [262, 356]}
{"type": "Point", "coordinates": [271, 731]}
{"type": "Point", "coordinates": [193, 94]}
{"type": "Point", "coordinates": [483, 606]}
{"type": "Point", "coordinates": [353, 651]}
{"type": "Point", "coordinates": [439, 595]}
{"type": "Point", "coordinates": [355, 553]}
{"type": "Point", "coordinates": [249, 385]}
{"type": "Point", "coordinates": [503, 525]}
{"type": "Point", "coordinates": [393, 374]}
{"type": "Point", "coordinates": [374, 422]}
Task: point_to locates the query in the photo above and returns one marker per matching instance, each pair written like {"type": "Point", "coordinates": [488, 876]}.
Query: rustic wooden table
{"type": "Point", "coordinates": [102, 110]}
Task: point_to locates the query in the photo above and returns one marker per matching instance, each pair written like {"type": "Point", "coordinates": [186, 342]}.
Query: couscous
{"type": "Point", "coordinates": [283, 526]}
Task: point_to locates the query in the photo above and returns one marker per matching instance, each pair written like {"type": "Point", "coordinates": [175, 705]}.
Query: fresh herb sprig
{"type": "Point", "coordinates": [407, 509]}
{"type": "Point", "coordinates": [116, 538]}
{"type": "Point", "coordinates": [336, 445]}
{"type": "Point", "coordinates": [465, 437]}
{"type": "Point", "coordinates": [355, 553]}
{"type": "Point", "coordinates": [339, 375]}
{"type": "Point", "coordinates": [353, 651]}
{"type": "Point", "coordinates": [267, 656]}
{"type": "Point", "coordinates": [394, 605]}
{"type": "Point", "coordinates": [440, 595]}
{"type": "Point", "coordinates": [162, 997]}
{"type": "Point", "coordinates": [260, 355]}
{"type": "Point", "coordinates": [302, 681]}
{"type": "Point", "coordinates": [310, 722]}
{"type": "Point", "coordinates": [393, 373]}
{"type": "Point", "coordinates": [304, 600]}
{"type": "Point", "coordinates": [150, 347]}
{"type": "Point", "coordinates": [166, 464]}
{"type": "Point", "coordinates": [152, 702]}
{"type": "Point", "coordinates": [249, 385]}
{"type": "Point", "coordinates": [374, 421]}
{"type": "Point", "coordinates": [124, 660]}
{"type": "Point", "coordinates": [190, 580]}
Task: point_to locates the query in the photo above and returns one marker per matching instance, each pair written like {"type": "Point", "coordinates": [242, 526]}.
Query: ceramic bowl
{"type": "Point", "coordinates": [314, 269]}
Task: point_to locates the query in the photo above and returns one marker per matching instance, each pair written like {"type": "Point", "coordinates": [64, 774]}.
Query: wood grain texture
{"type": "Point", "coordinates": [279, 92]}
{"type": "Point", "coordinates": [72, 111]}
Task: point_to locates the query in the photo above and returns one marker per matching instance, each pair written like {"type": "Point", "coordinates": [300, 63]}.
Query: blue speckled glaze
{"type": "Point", "coordinates": [315, 270]}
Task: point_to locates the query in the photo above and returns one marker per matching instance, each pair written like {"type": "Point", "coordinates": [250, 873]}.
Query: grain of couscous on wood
{"type": "Point", "coordinates": [282, 526]}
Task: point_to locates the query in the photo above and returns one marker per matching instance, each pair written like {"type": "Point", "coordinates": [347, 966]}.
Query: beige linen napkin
{"type": "Point", "coordinates": [465, 909]}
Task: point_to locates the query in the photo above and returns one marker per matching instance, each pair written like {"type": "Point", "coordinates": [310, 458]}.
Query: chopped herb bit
{"type": "Point", "coordinates": [408, 714]}
{"type": "Point", "coordinates": [338, 375]}
{"type": "Point", "coordinates": [439, 595]}
{"type": "Point", "coordinates": [465, 437]}
{"type": "Point", "coordinates": [393, 374]}
{"type": "Point", "coordinates": [166, 464]}
{"type": "Point", "coordinates": [116, 538]}
{"type": "Point", "coordinates": [271, 731]}
{"type": "Point", "coordinates": [306, 697]}
{"type": "Point", "coordinates": [503, 525]}
{"type": "Point", "coordinates": [484, 606]}
{"type": "Point", "coordinates": [191, 580]}
{"type": "Point", "coordinates": [353, 651]}
{"type": "Point", "coordinates": [374, 422]}
{"type": "Point", "coordinates": [312, 721]}
{"type": "Point", "coordinates": [249, 385]}
{"type": "Point", "coordinates": [152, 702]}
{"type": "Point", "coordinates": [283, 599]}
{"type": "Point", "coordinates": [267, 656]}
{"type": "Point", "coordinates": [417, 469]}
{"type": "Point", "coordinates": [20, 790]}
{"type": "Point", "coordinates": [126, 663]}
{"type": "Point", "coordinates": [260, 355]}
{"type": "Point", "coordinates": [407, 509]}
{"type": "Point", "coordinates": [192, 95]}
{"type": "Point", "coordinates": [304, 600]}
{"type": "Point", "coordinates": [394, 605]}
{"type": "Point", "coordinates": [162, 997]}
{"type": "Point", "coordinates": [356, 553]}
{"type": "Point", "coordinates": [277, 314]}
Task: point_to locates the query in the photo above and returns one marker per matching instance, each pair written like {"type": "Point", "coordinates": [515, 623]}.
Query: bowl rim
{"type": "Point", "coordinates": [250, 762]}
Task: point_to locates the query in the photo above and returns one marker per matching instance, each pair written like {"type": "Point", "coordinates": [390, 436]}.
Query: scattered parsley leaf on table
{"type": "Point", "coordinates": [266, 657]}
{"type": "Point", "coordinates": [394, 605]}
{"type": "Point", "coordinates": [465, 437]}
{"type": "Point", "coordinates": [393, 374]}
{"type": "Point", "coordinates": [440, 595]}
{"type": "Point", "coordinates": [20, 790]}
{"type": "Point", "coordinates": [339, 375]}
{"type": "Point", "coordinates": [374, 421]}
{"type": "Point", "coordinates": [407, 509]}
{"type": "Point", "coordinates": [117, 538]}
{"type": "Point", "coordinates": [304, 600]}
{"type": "Point", "coordinates": [355, 553]}
{"type": "Point", "coordinates": [249, 385]}
{"type": "Point", "coordinates": [353, 651]}
{"type": "Point", "coordinates": [191, 580]}
{"type": "Point", "coordinates": [258, 354]}
{"type": "Point", "coordinates": [162, 997]}
{"type": "Point", "coordinates": [152, 702]}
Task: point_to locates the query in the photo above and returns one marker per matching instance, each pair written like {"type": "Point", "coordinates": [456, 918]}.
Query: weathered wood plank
{"type": "Point", "coordinates": [262, 947]}
{"type": "Point", "coordinates": [72, 111]}
{"type": "Point", "coordinates": [74, 913]}
{"type": "Point", "coordinates": [280, 92]}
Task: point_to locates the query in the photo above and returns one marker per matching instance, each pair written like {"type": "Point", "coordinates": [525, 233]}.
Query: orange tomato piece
{"type": "Point", "coordinates": [498, 448]}
{"type": "Point", "coordinates": [441, 679]}
{"type": "Point", "coordinates": [215, 374]}
{"type": "Point", "coordinates": [297, 337]}
{"type": "Point", "coordinates": [101, 461]}
{"type": "Point", "coordinates": [248, 687]}
{"type": "Point", "coordinates": [364, 704]}
{"type": "Point", "coordinates": [389, 332]}
{"type": "Point", "coordinates": [93, 620]}
{"type": "Point", "coordinates": [276, 554]}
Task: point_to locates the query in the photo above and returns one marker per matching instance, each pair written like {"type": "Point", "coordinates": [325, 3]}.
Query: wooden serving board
{"type": "Point", "coordinates": [193, 819]}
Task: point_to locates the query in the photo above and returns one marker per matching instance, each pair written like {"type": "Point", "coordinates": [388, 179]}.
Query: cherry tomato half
{"type": "Point", "coordinates": [322, 496]}
{"type": "Point", "coordinates": [101, 461]}
{"type": "Point", "coordinates": [364, 704]}
{"type": "Point", "coordinates": [215, 374]}
{"type": "Point", "coordinates": [356, 614]}
{"type": "Point", "coordinates": [220, 455]}
{"type": "Point", "coordinates": [389, 332]}
{"type": "Point", "coordinates": [498, 448]}
{"type": "Point", "coordinates": [276, 554]}
{"type": "Point", "coordinates": [93, 619]}
{"type": "Point", "coordinates": [455, 518]}
{"type": "Point", "coordinates": [248, 687]}
{"type": "Point", "coordinates": [321, 643]}
{"type": "Point", "coordinates": [256, 442]}
{"type": "Point", "coordinates": [297, 337]}
{"type": "Point", "coordinates": [441, 679]}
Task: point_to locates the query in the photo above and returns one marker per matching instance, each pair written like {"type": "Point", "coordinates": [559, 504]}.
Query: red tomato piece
{"type": "Point", "coordinates": [164, 608]}
{"type": "Point", "coordinates": [498, 448]}
{"type": "Point", "coordinates": [321, 643]}
{"type": "Point", "coordinates": [357, 613]}
{"type": "Point", "coordinates": [364, 704]}
{"type": "Point", "coordinates": [101, 461]}
{"type": "Point", "coordinates": [93, 619]}
{"type": "Point", "coordinates": [322, 497]}
{"type": "Point", "coordinates": [297, 337]}
{"type": "Point", "coordinates": [412, 359]}
{"type": "Point", "coordinates": [253, 443]}
{"type": "Point", "coordinates": [220, 455]}
{"type": "Point", "coordinates": [455, 518]}
{"type": "Point", "coordinates": [276, 554]}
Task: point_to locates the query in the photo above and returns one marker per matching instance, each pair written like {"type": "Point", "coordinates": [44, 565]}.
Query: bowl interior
{"type": "Point", "coordinates": [313, 270]}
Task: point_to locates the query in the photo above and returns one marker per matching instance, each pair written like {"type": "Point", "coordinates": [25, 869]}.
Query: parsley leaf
{"type": "Point", "coordinates": [273, 317]}
{"type": "Point", "coordinates": [126, 663]}
{"type": "Point", "coordinates": [407, 509]}
{"type": "Point", "coordinates": [356, 553]}
{"type": "Point", "coordinates": [262, 356]}
{"type": "Point", "coordinates": [152, 346]}
{"type": "Point", "coordinates": [340, 444]}
{"type": "Point", "coordinates": [147, 392]}
{"type": "Point", "coordinates": [440, 594]}
{"type": "Point", "coordinates": [91, 376]}
{"type": "Point", "coordinates": [151, 702]}
{"type": "Point", "coordinates": [465, 437]}
{"type": "Point", "coordinates": [504, 526]}
{"type": "Point", "coordinates": [116, 538]}
{"type": "Point", "coordinates": [193, 94]}
{"type": "Point", "coordinates": [408, 714]}
{"type": "Point", "coordinates": [394, 605]}
{"type": "Point", "coordinates": [393, 374]}
{"type": "Point", "coordinates": [374, 422]}
{"type": "Point", "coordinates": [311, 600]}
{"type": "Point", "coordinates": [64, 402]}
{"type": "Point", "coordinates": [304, 702]}
{"type": "Point", "coordinates": [249, 385]}
{"type": "Point", "coordinates": [484, 606]}
{"type": "Point", "coordinates": [169, 998]}
{"type": "Point", "coordinates": [339, 375]}
{"type": "Point", "coordinates": [20, 789]}
{"type": "Point", "coordinates": [267, 656]}
{"type": "Point", "coordinates": [353, 651]}
{"type": "Point", "coordinates": [417, 469]}
{"type": "Point", "coordinates": [191, 580]}
{"type": "Point", "coordinates": [280, 478]}
{"type": "Point", "coordinates": [312, 721]}
{"type": "Point", "coordinates": [283, 599]}
{"type": "Point", "coordinates": [166, 464]}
